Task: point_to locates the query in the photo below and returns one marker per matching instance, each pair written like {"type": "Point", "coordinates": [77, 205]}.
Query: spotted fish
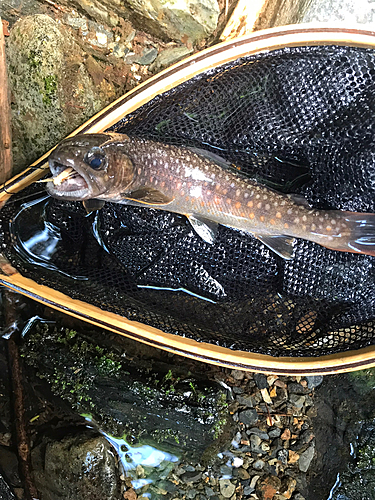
{"type": "Point", "coordinates": [114, 167]}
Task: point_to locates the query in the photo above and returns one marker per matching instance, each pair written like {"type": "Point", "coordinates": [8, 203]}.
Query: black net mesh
{"type": "Point", "coordinates": [298, 119]}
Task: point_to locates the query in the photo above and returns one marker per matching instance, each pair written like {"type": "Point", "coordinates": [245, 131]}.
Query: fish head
{"type": "Point", "coordinates": [98, 164]}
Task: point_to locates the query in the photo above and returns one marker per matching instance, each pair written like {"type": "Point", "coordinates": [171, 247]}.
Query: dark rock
{"type": "Point", "coordinates": [260, 380]}
{"type": "Point", "coordinates": [248, 417]}
{"type": "Point", "coordinates": [192, 493]}
{"type": "Point", "coordinates": [209, 491]}
{"type": "Point", "coordinates": [274, 432]}
{"type": "Point", "coordinates": [314, 381]}
{"type": "Point", "coordinates": [238, 390]}
{"type": "Point", "coordinates": [191, 477]}
{"type": "Point", "coordinates": [243, 474]}
{"type": "Point", "coordinates": [258, 432]}
{"type": "Point", "coordinates": [294, 388]}
{"type": "Point", "coordinates": [258, 465]}
{"type": "Point", "coordinates": [225, 470]}
{"type": "Point", "coordinates": [76, 467]}
{"type": "Point", "coordinates": [245, 400]}
{"type": "Point", "coordinates": [248, 490]}
{"type": "Point", "coordinates": [297, 401]}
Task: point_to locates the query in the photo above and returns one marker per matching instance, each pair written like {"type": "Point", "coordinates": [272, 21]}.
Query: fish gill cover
{"type": "Point", "coordinates": [300, 120]}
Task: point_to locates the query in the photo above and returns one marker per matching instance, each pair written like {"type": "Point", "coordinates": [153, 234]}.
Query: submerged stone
{"type": "Point", "coordinates": [76, 467]}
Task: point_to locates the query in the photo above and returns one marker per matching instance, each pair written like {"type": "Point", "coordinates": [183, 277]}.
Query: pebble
{"type": "Point", "coordinates": [248, 417]}
{"type": "Point", "coordinates": [260, 380]}
{"type": "Point", "coordinates": [267, 487]}
{"type": "Point", "coordinates": [227, 488]}
{"type": "Point", "coordinates": [314, 381]}
{"type": "Point", "coordinates": [243, 474]}
{"type": "Point", "coordinates": [297, 401]}
{"type": "Point", "coordinates": [238, 374]}
{"type": "Point", "coordinates": [258, 432]}
{"type": "Point", "coordinates": [255, 443]}
{"type": "Point", "coordinates": [245, 400]}
{"type": "Point", "coordinates": [209, 491]}
{"type": "Point", "coordinates": [258, 465]}
{"type": "Point", "coordinates": [274, 432]}
{"type": "Point", "coordinates": [191, 476]}
{"type": "Point", "coordinates": [283, 455]}
{"type": "Point", "coordinates": [248, 490]}
{"type": "Point", "coordinates": [306, 458]}
{"type": "Point", "coordinates": [226, 471]}
{"type": "Point", "coordinates": [295, 388]}
{"type": "Point", "coordinates": [237, 462]}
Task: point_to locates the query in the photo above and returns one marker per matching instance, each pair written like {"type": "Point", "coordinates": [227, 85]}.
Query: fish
{"type": "Point", "coordinates": [112, 167]}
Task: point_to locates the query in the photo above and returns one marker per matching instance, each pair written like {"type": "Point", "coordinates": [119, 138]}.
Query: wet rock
{"type": "Point", "coordinates": [147, 56]}
{"type": "Point", "coordinates": [248, 417]}
{"type": "Point", "coordinates": [274, 432]}
{"type": "Point", "coordinates": [297, 401]}
{"type": "Point", "coordinates": [306, 458]}
{"type": "Point", "coordinates": [47, 78]}
{"type": "Point", "coordinates": [295, 388]}
{"type": "Point", "coordinates": [243, 474]}
{"type": "Point", "coordinates": [314, 381]}
{"type": "Point", "coordinates": [190, 20]}
{"type": "Point", "coordinates": [267, 487]}
{"type": "Point", "coordinates": [76, 467]}
{"type": "Point", "coordinates": [191, 477]}
{"type": "Point", "coordinates": [260, 380]}
{"type": "Point", "coordinates": [245, 400]}
{"type": "Point", "coordinates": [258, 465]}
{"type": "Point", "coordinates": [227, 488]}
{"type": "Point", "coordinates": [258, 432]}
{"type": "Point", "coordinates": [169, 56]}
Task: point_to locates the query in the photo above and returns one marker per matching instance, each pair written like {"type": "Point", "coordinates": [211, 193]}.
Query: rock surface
{"type": "Point", "coordinates": [76, 467]}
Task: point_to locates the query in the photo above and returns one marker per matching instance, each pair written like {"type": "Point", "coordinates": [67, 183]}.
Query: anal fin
{"type": "Point", "coordinates": [205, 228]}
{"type": "Point", "coordinates": [93, 204]}
{"type": "Point", "coordinates": [281, 244]}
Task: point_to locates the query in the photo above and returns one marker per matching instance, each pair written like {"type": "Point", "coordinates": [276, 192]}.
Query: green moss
{"type": "Point", "coordinates": [50, 88]}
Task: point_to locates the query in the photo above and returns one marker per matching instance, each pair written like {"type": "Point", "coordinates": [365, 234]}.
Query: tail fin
{"type": "Point", "coordinates": [361, 237]}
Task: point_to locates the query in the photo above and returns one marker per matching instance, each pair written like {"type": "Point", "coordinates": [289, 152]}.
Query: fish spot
{"type": "Point", "coordinates": [257, 196]}
{"type": "Point", "coordinates": [232, 184]}
{"type": "Point", "coordinates": [313, 227]}
{"type": "Point", "coordinates": [246, 195]}
{"type": "Point", "coordinates": [242, 214]}
{"type": "Point", "coordinates": [265, 197]}
{"type": "Point", "coordinates": [259, 205]}
{"type": "Point", "coordinates": [333, 222]}
{"type": "Point", "coordinates": [282, 202]}
{"type": "Point", "coordinates": [251, 216]}
{"type": "Point", "coordinates": [268, 206]}
{"type": "Point", "coordinates": [289, 211]}
{"type": "Point", "coordinates": [328, 228]}
{"type": "Point", "coordinates": [278, 215]}
{"type": "Point", "coordinates": [304, 227]}
{"type": "Point", "coordinates": [304, 218]}
{"type": "Point", "coordinates": [272, 221]}
{"type": "Point", "coordinates": [296, 220]}
{"type": "Point", "coordinates": [154, 162]}
{"type": "Point", "coordinates": [139, 171]}
{"type": "Point", "coordinates": [209, 193]}
{"type": "Point", "coordinates": [238, 192]}
{"type": "Point", "coordinates": [229, 201]}
{"type": "Point", "coordinates": [286, 225]}
{"type": "Point", "coordinates": [238, 205]}
{"type": "Point", "coordinates": [250, 204]}
{"type": "Point", "coordinates": [261, 218]}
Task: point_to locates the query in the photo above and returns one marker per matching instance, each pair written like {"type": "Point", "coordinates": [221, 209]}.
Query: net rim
{"type": "Point", "coordinates": [256, 43]}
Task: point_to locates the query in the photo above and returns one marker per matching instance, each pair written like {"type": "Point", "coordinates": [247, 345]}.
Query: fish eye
{"type": "Point", "coordinates": [96, 158]}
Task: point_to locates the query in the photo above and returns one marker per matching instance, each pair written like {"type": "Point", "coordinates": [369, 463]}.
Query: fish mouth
{"type": "Point", "coordinates": [73, 186]}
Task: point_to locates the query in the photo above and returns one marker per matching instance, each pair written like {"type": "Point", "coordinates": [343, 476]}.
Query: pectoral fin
{"type": "Point", "coordinates": [147, 196]}
{"type": "Point", "coordinates": [92, 205]}
{"type": "Point", "coordinates": [281, 244]}
{"type": "Point", "coordinates": [205, 228]}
